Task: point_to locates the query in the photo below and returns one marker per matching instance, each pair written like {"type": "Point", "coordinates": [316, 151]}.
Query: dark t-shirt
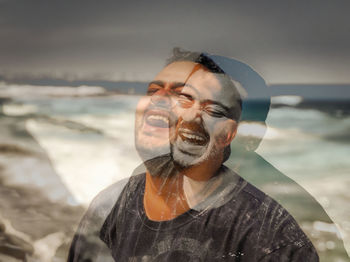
{"type": "Point", "coordinates": [236, 223]}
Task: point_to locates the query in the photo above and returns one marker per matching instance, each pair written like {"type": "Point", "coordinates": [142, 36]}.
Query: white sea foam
{"type": "Point", "coordinates": [15, 91]}
{"type": "Point", "coordinates": [299, 143]}
{"type": "Point", "coordinates": [117, 126]}
{"type": "Point", "coordinates": [19, 109]}
{"type": "Point", "coordinates": [86, 163]}
{"type": "Point", "coordinates": [287, 100]}
{"type": "Point", "coordinates": [296, 142]}
{"type": "Point", "coordinates": [251, 129]}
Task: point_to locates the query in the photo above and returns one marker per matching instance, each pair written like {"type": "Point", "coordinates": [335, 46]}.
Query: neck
{"type": "Point", "coordinates": [164, 198]}
{"type": "Point", "coordinates": [197, 191]}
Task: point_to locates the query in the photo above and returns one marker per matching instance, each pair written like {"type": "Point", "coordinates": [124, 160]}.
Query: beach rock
{"type": "Point", "coordinates": [14, 247]}
{"type": "Point", "coordinates": [35, 218]}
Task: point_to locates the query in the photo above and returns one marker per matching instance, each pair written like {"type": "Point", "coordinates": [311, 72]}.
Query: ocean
{"type": "Point", "coordinates": [69, 148]}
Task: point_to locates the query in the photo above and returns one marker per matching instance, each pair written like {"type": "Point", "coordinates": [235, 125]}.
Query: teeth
{"type": "Point", "coordinates": [192, 137]}
{"type": "Point", "coordinates": [189, 134]}
{"type": "Point", "coordinates": [158, 117]}
{"type": "Point", "coordinates": [185, 130]}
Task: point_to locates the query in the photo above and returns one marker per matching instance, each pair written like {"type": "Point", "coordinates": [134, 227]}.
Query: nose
{"type": "Point", "coordinates": [162, 98]}
{"type": "Point", "coordinates": [192, 114]}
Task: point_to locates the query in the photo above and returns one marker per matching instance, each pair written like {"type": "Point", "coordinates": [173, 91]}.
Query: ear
{"type": "Point", "coordinates": [229, 132]}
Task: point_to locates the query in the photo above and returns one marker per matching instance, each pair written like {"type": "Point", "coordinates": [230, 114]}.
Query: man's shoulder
{"type": "Point", "coordinates": [271, 226]}
{"type": "Point", "coordinates": [258, 203]}
{"type": "Point", "coordinates": [86, 243]}
{"type": "Point", "coordinates": [103, 203]}
{"type": "Point", "coordinates": [247, 194]}
{"type": "Point", "coordinates": [241, 191]}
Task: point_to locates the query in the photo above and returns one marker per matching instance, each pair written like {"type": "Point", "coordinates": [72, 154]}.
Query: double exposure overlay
{"type": "Point", "coordinates": [174, 131]}
{"type": "Point", "coordinates": [185, 197]}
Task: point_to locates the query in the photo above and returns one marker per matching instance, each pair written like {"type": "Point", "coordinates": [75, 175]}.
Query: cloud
{"type": "Point", "coordinates": [120, 39]}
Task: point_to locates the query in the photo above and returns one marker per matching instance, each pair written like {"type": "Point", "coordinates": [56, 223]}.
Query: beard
{"type": "Point", "coordinates": [193, 145]}
{"type": "Point", "coordinates": [167, 156]}
{"type": "Point", "coordinates": [185, 160]}
{"type": "Point", "coordinates": [161, 163]}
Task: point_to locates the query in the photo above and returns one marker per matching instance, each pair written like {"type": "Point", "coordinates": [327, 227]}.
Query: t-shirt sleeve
{"type": "Point", "coordinates": [292, 253]}
{"type": "Point", "coordinates": [108, 229]}
{"type": "Point", "coordinates": [277, 235]}
{"type": "Point", "coordinates": [86, 244]}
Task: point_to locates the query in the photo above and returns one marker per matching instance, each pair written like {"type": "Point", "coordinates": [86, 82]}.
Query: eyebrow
{"type": "Point", "coordinates": [228, 111]}
{"type": "Point", "coordinates": [173, 86]}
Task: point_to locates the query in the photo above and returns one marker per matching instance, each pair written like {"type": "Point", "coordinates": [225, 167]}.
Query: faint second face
{"type": "Point", "coordinates": [155, 119]}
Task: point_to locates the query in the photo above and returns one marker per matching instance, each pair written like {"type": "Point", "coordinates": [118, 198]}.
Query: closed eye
{"type": "Point", "coordinates": [215, 111]}
{"type": "Point", "coordinates": [185, 100]}
{"type": "Point", "coordinates": [152, 89]}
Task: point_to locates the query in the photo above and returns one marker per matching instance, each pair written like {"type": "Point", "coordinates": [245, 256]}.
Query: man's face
{"type": "Point", "coordinates": [185, 112]}
{"type": "Point", "coordinates": [155, 118]}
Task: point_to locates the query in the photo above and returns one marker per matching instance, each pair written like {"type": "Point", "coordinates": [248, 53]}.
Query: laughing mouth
{"type": "Point", "coordinates": [192, 137]}
{"type": "Point", "coordinates": [157, 119]}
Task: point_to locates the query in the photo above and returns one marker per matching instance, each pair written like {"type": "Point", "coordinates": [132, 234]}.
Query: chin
{"type": "Point", "coordinates": [149, 146]}
{"type": "Point", "coordinates": [157, 159]}
{"type": "Point", "coordinates": [187, 160]}
{"type": "Point", "coordinates": [147, 152]}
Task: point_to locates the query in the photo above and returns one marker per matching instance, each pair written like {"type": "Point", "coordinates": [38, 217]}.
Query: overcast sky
{"type": "Point", "coordinates": [285, 41]}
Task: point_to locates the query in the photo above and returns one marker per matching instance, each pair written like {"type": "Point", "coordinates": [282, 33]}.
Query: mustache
{"type": "Point", "coordinates": [196, 128]}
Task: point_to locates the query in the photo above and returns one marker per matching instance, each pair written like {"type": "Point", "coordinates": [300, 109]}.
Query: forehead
{"type": "Point", "coordinates": [198, 80]}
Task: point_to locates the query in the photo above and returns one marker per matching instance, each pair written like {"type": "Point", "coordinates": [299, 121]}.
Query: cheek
{"type": "Point", "coordinates": [212, 124]}
{"type": "Point", "coordinates": [218, 131]}
{"type": "Point", "coordinates": [141, 107]}
{"type": "Point", "coordinates": [143, 103]}
{"type": "Point", "coordinates": [179, 111]}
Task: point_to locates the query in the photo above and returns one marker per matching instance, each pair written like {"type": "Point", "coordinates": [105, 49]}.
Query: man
{"type": "Point", "coordinates": [187, 205]}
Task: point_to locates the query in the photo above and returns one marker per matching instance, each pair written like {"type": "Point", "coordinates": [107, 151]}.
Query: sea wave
{"type": "Point", "coordinates": [15, 91]}
{"type": "Point", "coordinates": [287, 100]}
{"type": "Point", "coordinates": [90, 142]}
{"type": "Point", "coordinates": [86, 163]}
{"type": "Point", "coordinates": [309, 121]}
